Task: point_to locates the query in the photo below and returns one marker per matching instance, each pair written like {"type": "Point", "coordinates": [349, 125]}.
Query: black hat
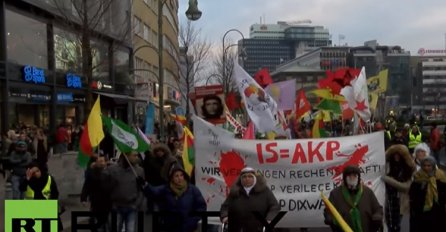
{"type": "Point", "coordinates": [351, 169]}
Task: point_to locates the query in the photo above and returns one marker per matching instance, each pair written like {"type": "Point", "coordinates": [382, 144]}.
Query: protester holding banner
{"type": "Point", "coordinates": [428, 198]}
{"type": "Point", "coordinates": [181, 199]}
{"type": "Point", "coordinates": [248, 195]}
{"type": "Point", "coordinates": [399, 170]}
{"type": "Point", "coordinates": [356, 203]}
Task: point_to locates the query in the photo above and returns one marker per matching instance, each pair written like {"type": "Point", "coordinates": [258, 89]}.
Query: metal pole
{"type": "Point", "coordinates": [4, 69]}
{"type": "Point", "coordinates": [161, 69]}
{"type": "Point", "coordinates": [225, 79]}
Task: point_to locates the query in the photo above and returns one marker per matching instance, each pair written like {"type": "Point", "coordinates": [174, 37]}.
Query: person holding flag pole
{"type": "Point", "coordinates": [125, 180]}
{"type": "Point", "coordinates": [356, 203]}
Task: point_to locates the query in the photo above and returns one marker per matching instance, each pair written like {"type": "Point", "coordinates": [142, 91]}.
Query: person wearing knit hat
{"type": "Point", "coordinates": [428, 197]}
{"type": "Point", "coordinates": [420, 152]}
{"type": "Point", "coordinates": [356, 203]}
{"type": "Point", "coordinates": [178, 196]}
{"type": "Point", "coordinates": [19, 159]}
{"type": "Point", "coordinates": [248, 194]}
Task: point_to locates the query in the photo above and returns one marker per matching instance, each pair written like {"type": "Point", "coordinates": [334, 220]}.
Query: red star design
{"type": "Point", "coordinates": [360, 105]}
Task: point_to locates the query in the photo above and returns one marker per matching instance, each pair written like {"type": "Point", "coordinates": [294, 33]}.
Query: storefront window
{"type": "Point", "coordinates": [122, 67]}
{"type": "Point", "coordinates": [67, 51]}
{"type": "Point", "coordinates": [99, 52]}
{"type": "Point", "coordinates": [26, 40]}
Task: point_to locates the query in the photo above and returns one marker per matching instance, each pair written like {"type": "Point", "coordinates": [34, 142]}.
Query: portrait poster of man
{"type": "Point", "coordinates": [209, 103]}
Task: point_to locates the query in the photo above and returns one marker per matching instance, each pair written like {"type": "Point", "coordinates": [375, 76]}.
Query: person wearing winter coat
{"type": "Point", "coordinates": [356, 203]}
{"type": "Point", "coordinates": [38, 184]}
{"type": "Point", "coordinates": [398, 178]}
{"type": "Point", "coordinates": [95, 192]}
{"type": "Point", "coordinates": [180, 198]}
{"type": "Point", "coordinates": [158, 163]}
{"type": "Point", "coordinates": [126, 196]}
{"type": "Point", "coordinates": [20, 159]}
{"type": "Point", "coordinates": [248, 194]}
{"type": "Point", "coordinates": [428, 198]}
{"type": "Point", "coordinates": [421, 151]}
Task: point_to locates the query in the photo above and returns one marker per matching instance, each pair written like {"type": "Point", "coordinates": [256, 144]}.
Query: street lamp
{"type": "Point", "coordinates": [224, 77]}
{"type": "Point", "coordinates": [192, 14]}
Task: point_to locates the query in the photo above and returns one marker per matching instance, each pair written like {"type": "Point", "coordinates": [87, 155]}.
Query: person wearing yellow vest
{"type": "Point", "coordinates": [39, 185]}
{"type": "Point", "coordinates": [415, 138]}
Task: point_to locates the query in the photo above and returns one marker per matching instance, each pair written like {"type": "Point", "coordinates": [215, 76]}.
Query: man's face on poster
{"type": "Point", "coordinates": [212, 106]}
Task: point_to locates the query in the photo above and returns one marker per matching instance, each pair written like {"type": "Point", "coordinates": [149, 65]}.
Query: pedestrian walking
{"type": "Point", "coordinates": [19, 160]}
{"type": "Point", "coordinates": [356, 203]}
{"type": "Point", "coordinates": [398, 178]}
{"type": "Point", "coordinates": [181, 199]}
{"type": "Point", "coordinates": [94, 191]}
{"type": "Point", "coordinates": [125, 193]}
{"type": "Point", "coordinates": [249, 194]}
{"type": "Point", "coordinates": [421, 151]}
{"type": "Point", "coordinates": [428, 198]}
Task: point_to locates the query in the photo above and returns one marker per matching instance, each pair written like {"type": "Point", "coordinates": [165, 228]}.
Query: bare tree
{"type": "Point", "coordinates": [195, 57]}
{"type": "Point", "coordinates": [224, 64]}
{"type": "Point", "coordinates": [100, 19]}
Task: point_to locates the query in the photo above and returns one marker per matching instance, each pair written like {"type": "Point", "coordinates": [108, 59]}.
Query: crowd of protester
{"type": "Point", "coordinates": [156, 181]}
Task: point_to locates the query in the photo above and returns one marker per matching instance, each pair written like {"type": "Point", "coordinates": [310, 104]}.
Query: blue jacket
{"type": "Point", "coordinates": [190, 201]}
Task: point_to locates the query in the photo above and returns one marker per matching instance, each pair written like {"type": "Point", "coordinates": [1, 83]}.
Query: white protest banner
{"type": "Point", "coordinates": [295, 170]}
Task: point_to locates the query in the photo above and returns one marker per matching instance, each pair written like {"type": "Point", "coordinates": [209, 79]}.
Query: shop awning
{"type": "Point", "coordinates": [119, 98]}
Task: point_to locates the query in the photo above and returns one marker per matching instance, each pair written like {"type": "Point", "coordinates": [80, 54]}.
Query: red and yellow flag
{"type": "Point", "coordinates": [92, 134]}
{"type": "Point", "coordinates": [188, 151]}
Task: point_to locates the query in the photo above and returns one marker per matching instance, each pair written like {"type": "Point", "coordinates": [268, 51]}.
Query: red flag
{"type": "Point", "coordinates": [231, 101]}
{"type": "Point", "coordinates": [302, 104]}
{"type": "Point", "coordinates": [263, 78]}
{"type": "Point", "coordinates": [249, 133]}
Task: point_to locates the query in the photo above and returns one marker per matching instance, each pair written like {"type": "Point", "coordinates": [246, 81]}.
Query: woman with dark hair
{"type": "Point", "coordinates": [212, 107]}
{"type": "Point", "coordinates": [399, 170]}
{"type": "Point", "coordinates": [39, 185]}
{"type": "Point", "coordinates": [180, 198]}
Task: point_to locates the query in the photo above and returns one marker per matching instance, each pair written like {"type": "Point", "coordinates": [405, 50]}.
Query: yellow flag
{"type": "Point", "coordinates": [378, 84]}
{"type": "Point", "coordinates": [270, 135]}
{"type": "Point", "coordinates": [188, 151]}
{"type": "Point", "coordinates": [327, 94]}
{"type": "Point", "coordinates": [373, 99]}
{"type": "Point", "coordinates": [94, 124]}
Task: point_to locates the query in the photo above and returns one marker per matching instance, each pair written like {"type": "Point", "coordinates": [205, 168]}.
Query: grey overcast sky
{"type": "Point", "coordinates": [412, 24]}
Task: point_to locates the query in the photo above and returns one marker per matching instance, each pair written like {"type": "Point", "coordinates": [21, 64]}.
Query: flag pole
{"type": "Point", "coordinates": [131, 166]}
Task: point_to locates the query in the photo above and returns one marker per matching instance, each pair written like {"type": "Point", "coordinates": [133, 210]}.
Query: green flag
{"type": "Point", "coordinates": [125, 137]}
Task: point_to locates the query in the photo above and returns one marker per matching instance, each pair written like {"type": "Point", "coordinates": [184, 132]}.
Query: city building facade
{"type": "Point", "coordinates": [270, 45]}
{"type": "Point", "coordinates": [146, 54]}
{"type": "Point", "coordinates": [42, 70]}
{"type": "Point", "coordinates": [429, 81]}
{"type": "Point", "coordinates": [374, 58]}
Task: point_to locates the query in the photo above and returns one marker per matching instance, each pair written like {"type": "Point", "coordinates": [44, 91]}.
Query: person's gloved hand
{"type": "Point", "coordinates": [140, 182]}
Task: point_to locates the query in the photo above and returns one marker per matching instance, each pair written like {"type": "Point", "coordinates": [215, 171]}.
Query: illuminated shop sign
{"type": "Point", "coordinates": [73, 81]}
{"type": "Point", "coordinates": [33, 74]}
{"type": "Point", "coordinates": [65, 97]}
